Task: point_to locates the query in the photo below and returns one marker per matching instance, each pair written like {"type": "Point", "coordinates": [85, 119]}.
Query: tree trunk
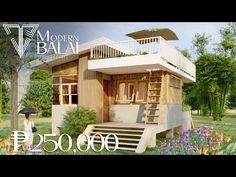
{"type": "Point", "coordinates": [14, 100]}
{"type": "Point", "coordinates": [0, 102]}
{"type": "Point", "coordinates": [14, 85]}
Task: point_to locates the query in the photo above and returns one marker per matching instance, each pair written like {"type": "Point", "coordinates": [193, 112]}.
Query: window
{"type": "Point", "coordinates": [125, 92]}
{"type": "Point", "coordinates": [65, 90]}
{"type": "Point", "coordinates": [131, 91]}
{"type": "Point", "coordinates": [122, 92]}
{"type": "Point", "coordinates": [141, 93]}
{"type": "Point", "coordinates": [174, 82]}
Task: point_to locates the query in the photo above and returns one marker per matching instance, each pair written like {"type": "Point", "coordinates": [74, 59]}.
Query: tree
{"type": "Point", "coordinates": [218, 73]}
{"type": "Point", "coordinates": [5, 99]}
{"type": "Point", "coordinates": [227, 45]}
{"type": "Point", "coordinates": [200, 43]}
{"type": "Point", "coordinates": [1, 101]}
{"type": "Point", "coordinates": [186, 53]}
{"type": "Point", "coordinates": [3, 68]}
{"type": "Point", "coordinates": [190, 90]}
{"type": "Point", "coordinates": [231, 100]}
{"type": "Point", "coordinates": [10, 66]}
{"type": "Point", "coordinates": [200, 90]}
{"type": "Point", "coordinates": [39, 92]}
{"type": "Point", "coordinates": [191, 96]}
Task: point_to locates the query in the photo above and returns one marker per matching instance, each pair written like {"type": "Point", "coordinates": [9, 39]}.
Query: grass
{"type": "Point", "coordinates": [226, 126]}
{"type": "Point", "coordinates": [43, 125]}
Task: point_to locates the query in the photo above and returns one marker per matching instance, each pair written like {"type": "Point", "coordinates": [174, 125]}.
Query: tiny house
{"type": "Point", "coordinates": [134, 86]}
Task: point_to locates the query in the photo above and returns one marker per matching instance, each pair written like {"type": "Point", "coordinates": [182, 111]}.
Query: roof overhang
{"type": "Point", "coordinates": [136, 64]}
{"type": "Point", "coordinates": [54, 60]}
{"type": "Point", "coordinates": [166, 33]}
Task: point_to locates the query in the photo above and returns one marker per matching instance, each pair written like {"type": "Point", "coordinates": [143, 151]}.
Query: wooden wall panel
{"type": "Point", "coordinates": [90, 88]}
{"type": "Point", "coordinates": [164, 89]}
{"type": "Point", "coordinates": [66, 68]}
{"type": "Point", "coordinates": [174, 94]}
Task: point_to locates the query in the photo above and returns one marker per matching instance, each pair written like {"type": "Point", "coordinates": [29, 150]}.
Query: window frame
{"type": "Point", "coordinates": [134, 98]}
{"type": "Point", "coordinates": [175, 84]}
{"type": "Point", "coordinates": [127, 82]}
{"type": "Point", "coordinates": [61, 94]}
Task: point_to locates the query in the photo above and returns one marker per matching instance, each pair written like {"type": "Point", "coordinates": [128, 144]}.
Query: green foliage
{"type": "Point", "coordinates": [231, 100]}
{"type": "Point", "coordinates": [39, 92]}
{"type": "Point", "coordinates": [200, 43]}
{"type": "Point", "coordinates": [230, 149]}
{"type": "Point", "coordinates": [0, 101]}
{"type": "Point", "coordinates": [40, 75]}
{"type": "Point", "coordinates": [227, 45]}
{"type": "Point", "coordinates": [185, 53]}
{"type": "Point", "coordinates": [76, 120]}
{"type": "Point", "coordinates": [5, 99]}
{"type": "Point", "coordinates": [216, 80]}
{"type": "Point", "coordinates": [215, 73]}
{"type": "Point", "coordinates": [191, 96]}
{"type": "Point", "coordinates": [10, 65]}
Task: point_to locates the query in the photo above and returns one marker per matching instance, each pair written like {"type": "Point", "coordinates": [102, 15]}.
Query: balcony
{"type": "Point", "coordinates": [135, 56]}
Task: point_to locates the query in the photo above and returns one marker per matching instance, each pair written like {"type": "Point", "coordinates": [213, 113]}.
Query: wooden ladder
{"type": "Point", "coordinates": [153, 99]}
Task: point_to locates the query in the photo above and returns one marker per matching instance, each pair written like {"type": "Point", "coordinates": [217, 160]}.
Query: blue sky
{"type": "Point", "coordinates": [116, 31]}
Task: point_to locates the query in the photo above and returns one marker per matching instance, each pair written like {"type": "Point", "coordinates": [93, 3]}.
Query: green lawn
{"type": "Point", "coordinates": [43, 125]}
{"type": "Point", "coordinates": [226, 126]}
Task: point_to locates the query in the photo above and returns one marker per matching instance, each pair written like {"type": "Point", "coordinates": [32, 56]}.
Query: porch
{"type": "Point", "coordinates": [134, 137]}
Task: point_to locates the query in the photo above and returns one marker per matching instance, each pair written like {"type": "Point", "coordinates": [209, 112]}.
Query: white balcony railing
{"type": "Point", "coordinates": [125, 48]}
{"type": "Point", "coordinates": [144, 46]}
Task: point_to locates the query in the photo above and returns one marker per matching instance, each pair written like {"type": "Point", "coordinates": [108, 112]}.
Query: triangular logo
{"type": "Point", "coordinates": [27, 30]}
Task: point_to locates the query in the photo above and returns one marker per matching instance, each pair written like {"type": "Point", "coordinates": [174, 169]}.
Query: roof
{"type": "Point", "coordinates": [166, 33]}
{"type": "Point", "coordinates": [56, 59]}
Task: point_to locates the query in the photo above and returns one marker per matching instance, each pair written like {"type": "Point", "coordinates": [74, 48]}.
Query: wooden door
{"type": "Point", "coordinates": [105, 101]}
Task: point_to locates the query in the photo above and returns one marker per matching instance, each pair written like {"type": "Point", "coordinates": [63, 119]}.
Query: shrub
{"type": "Point", "coordinates": [39, 93]}
{"type": "Point", "coordinates": [76, 120]}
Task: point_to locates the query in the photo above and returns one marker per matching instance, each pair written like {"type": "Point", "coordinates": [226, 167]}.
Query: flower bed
{"type": "Point", "coordinates": [6, 146]}
{"type": "Point", "coordinates": [199, 141]}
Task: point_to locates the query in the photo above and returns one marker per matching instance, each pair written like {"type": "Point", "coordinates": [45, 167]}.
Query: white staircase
{"type": "Point", "coordinates": [131, 138]}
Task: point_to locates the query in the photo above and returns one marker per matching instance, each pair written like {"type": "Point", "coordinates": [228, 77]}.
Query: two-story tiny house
{"type": "Point", "coordinates": [135, 86]}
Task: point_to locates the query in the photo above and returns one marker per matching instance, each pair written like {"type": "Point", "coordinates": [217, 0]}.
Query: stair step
{"type": "Point", "coordinates": [120, 139]}
{"type": "Point", "coordinates": [121, 134]}
{"type": "Point", "coordinates": [152, 115]}
{"type": "Point", "coordinates": [154, 89]}
{"type": "Point", "coordinates": [118, 128]}
{"type": "Point", "coordinates": [120, 143]}
{"type": "Point", "coordinates": [153, 102]}
{"type": "Point", "coordinates": [149, 122]}
{"type": "Point", "coordinates": [124, 148]}
{"type": "Point", "coordinates": [154, 95]}
{"type": "Point", "coordinates": [121, 130]}
{"type": "Point", "coordinates": [152, 108]}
